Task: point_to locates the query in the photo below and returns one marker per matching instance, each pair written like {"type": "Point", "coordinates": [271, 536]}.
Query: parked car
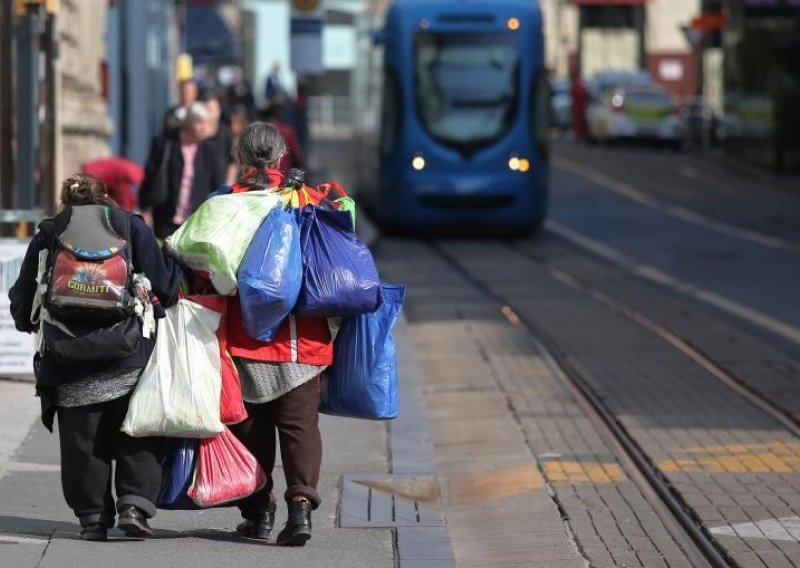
{"type": "Point", "coordinates": [601, 82]}
{"type": "Point", "coordinates": [560, 104]}
{"type": "Point", "coordinates": [644, 112]}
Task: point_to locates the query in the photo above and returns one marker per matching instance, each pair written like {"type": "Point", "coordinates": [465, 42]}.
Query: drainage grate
{"type": "Point", "coordinates": [385, 500]}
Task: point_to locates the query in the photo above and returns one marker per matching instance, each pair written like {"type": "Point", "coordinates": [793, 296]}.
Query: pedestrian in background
{"type": "Point", "coordinates": [300, 113]}
{"type": "Point", "coordinates": [293, 157]}
{"type": "Point", "coordinates": [91, 398]}
{"type": "Point", "coordinates": [274, 91]}
{"type": "Point", "coordinates": [180, 172]}
{"type": "Point", "coordinates": [280, 380]}
{"type": "Point", "coordinates": [580, 100]}
{"type": "Point", "coordinates": [188, 91]}
{"type": "Point", "coordinates": [121, 177]}
{"type": "Point", "coordinates": [221, 133]}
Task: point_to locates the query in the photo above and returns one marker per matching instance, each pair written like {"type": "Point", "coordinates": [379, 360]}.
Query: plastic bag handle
{"type": "Point", "coordinates": [332, 185]}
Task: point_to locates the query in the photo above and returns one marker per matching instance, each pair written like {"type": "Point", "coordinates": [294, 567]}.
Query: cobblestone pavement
{"type": "Point", "coordinates": [731, 463]}
{"type": "Point", "coordinates": [512, 443]}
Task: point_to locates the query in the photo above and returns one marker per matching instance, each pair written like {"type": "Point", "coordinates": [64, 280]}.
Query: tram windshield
{"type": "Point", "coordinates": [467, 86]}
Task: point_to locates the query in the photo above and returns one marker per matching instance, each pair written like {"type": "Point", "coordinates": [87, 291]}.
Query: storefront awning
{"type": "Point", "coordinates": [209, 38]}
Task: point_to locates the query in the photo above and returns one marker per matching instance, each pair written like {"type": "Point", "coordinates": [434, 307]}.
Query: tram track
{"type": "Point", "coordinates": [696, 355]}
{"type": "Point", "coordinates": [699, 546]}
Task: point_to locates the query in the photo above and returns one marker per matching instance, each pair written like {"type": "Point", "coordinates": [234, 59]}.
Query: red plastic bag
{"type": "Point", "coordinates": [232, 409]}
{"type": "Point", "coordinates": [226, 472]}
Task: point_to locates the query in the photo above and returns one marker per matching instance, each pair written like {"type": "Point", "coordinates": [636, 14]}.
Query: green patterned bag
{"type": "Point", "coordinates": [214, 238]}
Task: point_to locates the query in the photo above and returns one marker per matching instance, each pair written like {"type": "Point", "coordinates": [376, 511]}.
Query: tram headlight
{"type": "Point", "coordinates": [418, 162]}
{"type": "Point", "coordinates": [514, 163]}
{"type": "Point", "coordinates": [513, 24]}
{"type": "Point", "coordinates": [524, 165]}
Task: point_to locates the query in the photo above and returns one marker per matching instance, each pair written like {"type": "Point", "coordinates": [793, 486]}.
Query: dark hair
{"type": "Point", "coordinates": [275, 111]}
{"type": "Point", "coordinates": [84, 189]}
{"type": "Point", "coordinates": [209, 94]}
{"type": "Point", "coordinates": [260, 146]}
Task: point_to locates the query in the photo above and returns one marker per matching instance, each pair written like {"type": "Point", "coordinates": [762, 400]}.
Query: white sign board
{"type": "Point", "coordinates": [670, 69]}
{"type": "Point", "coordinates": [306, 37]}
{"type": "Point", "coordinates": [16, 349]}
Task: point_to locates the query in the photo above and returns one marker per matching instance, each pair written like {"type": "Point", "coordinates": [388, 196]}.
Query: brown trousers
{"type": "Point", "coordinates": [295, 417]}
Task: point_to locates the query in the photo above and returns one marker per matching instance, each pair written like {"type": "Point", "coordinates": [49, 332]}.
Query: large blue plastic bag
{"type": "Point", "coordinates": [339, 274]}
{"type": "Point", "coordinates": [270, 275]}
{"type": "Point", "coordinates": [179, 467]}
{"type": "Point", "coordinates": [362, 382]}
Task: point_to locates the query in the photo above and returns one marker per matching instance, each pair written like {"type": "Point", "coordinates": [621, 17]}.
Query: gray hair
{"type": "Point", "coordinates": [192, 113]}
{"type": "Point", "coordinates": [260, 146]}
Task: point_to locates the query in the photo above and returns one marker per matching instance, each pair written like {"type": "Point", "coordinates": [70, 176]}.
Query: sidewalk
{"type": "Point", "coordinates": [38, 529]}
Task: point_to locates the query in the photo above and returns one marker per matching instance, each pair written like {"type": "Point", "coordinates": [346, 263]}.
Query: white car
{"type": "Point", "coordinates": [636, 112]}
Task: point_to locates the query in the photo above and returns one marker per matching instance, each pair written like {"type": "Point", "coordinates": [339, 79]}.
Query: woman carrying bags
{"type": "Point", "coordinates": [81, 287]}
{"type": "Point", "coordinates": [280, 379]}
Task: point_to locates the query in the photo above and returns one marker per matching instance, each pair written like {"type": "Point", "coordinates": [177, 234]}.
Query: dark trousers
{"type": "Point", "coordinates": [90, 439]}
{"type": "Point", "coordinates": [295, 417]}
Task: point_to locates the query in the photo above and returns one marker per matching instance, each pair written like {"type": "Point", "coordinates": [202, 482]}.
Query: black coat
{"type": "Point", "coordinates": [209, 174]}
{"type": "Point", "coordinates": [164, 274]}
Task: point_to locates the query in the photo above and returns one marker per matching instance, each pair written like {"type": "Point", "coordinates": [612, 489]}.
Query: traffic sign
{"type": "Point", "coordinates": [693, 35]}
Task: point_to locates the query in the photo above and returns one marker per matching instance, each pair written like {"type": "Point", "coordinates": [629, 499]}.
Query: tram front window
{"type": "Point", "coordinates": [467, 86]}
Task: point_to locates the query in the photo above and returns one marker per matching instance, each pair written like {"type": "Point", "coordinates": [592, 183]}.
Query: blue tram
{"type": "Point", "coordinates": [451, 111]}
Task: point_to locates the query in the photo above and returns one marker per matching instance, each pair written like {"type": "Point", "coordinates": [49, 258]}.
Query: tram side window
{"type": "Point", "coordinates": [391, 114]}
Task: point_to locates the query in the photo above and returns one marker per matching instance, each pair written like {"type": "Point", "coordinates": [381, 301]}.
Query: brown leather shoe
{"type": "Point", "coordinates": [133, 522]}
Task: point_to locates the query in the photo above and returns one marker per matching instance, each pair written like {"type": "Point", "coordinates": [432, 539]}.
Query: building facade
{"type": "Point", "coordinates": [592, 36]}
{"type": "Point", "coordinates": [83, 126]}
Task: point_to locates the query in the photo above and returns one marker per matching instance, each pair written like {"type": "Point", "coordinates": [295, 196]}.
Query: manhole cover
{"type": "Point", "coordinates": [385, 500]}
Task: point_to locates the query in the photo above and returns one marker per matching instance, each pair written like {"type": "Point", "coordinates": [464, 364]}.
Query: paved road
{"type": "Point", "coordinates": [714, 236]}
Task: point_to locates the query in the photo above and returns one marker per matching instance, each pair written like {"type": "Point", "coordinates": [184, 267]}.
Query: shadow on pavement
{"type": "Point", "coordinates": [32, 528]}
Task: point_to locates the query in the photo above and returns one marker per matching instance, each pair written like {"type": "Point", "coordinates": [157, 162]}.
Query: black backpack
{"type": "Point", "coordinates": [89, 293]}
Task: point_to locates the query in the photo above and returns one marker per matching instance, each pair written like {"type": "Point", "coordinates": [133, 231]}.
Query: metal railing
{"type": "Point", "coordinates": [330, 116]}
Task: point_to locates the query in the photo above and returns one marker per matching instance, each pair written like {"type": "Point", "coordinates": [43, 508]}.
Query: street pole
{"type": "Point", "coordinates": [6, 107]}
{"type": "Point", "coordinates": [28, 106]}
{"type": "Point", "coordinates": [48, 159]}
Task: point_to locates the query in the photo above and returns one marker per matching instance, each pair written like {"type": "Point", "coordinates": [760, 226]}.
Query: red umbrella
{"type": "Point", "coordinates": [120, 176]}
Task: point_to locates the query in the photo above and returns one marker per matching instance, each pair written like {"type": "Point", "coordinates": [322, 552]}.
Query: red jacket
{"type": "Point", "coordinates": [299, 339]}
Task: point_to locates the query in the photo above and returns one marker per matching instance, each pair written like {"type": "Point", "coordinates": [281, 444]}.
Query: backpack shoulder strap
{"type": "Point", "coordinates": [120, 223]}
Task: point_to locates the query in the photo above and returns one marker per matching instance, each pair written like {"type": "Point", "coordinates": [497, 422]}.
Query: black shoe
{"type": "Point", "coordinates": [297, 530]}
{"type": "Point", "coordinates": [259, 526]}
{"type": "Point", "coordinates": [133, 522]}
{"type": "Point", "coordinates": [95, 531]}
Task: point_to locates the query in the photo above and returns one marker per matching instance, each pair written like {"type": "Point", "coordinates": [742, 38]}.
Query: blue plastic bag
{"type": "Point", "coordinates": [339, 274]}
{"type": "Point", "coordinates": [179, 466]}
{"type": "Point", "coordinates": [270, 275]}
{"type": "Point", "coordinates": [362, 382]}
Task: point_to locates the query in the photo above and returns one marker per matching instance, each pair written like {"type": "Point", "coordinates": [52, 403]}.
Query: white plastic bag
{"type": "Point", "coordinates": [214, 238]}
{"type": "Point", "coordinates": [179, 392]}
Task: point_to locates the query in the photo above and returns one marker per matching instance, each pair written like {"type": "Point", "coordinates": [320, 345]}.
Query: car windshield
{"type": "Point", "coordinates": [466, 86]}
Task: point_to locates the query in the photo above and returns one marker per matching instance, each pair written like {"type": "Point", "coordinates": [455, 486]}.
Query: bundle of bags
{"type": "Point", "coordinates": [286, 251]}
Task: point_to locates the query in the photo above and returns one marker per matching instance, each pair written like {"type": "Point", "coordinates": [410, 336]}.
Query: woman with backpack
{"type": "Point", "coordinates": [95, 324]}
{"type": "Point", "coordinates": [280, 379]}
